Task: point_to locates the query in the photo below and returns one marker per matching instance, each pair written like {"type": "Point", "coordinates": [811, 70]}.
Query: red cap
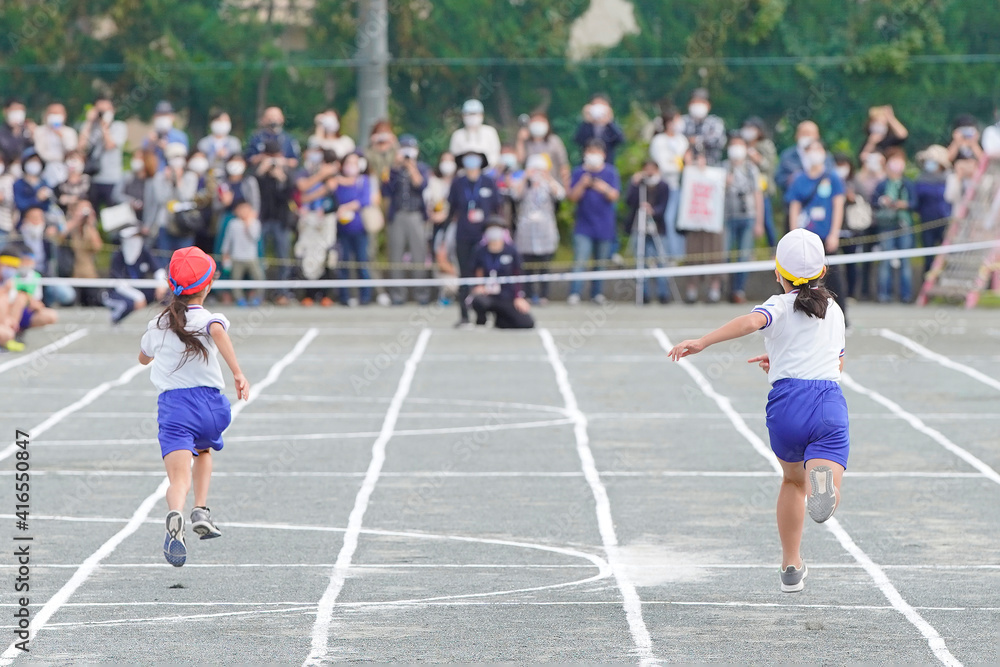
{"type": "Point", "coordinates": [190, 270]}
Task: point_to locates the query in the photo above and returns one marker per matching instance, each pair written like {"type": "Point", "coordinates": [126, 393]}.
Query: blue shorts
{"type": "Point", "coordinates": [193, 419]}
{"type": "Point", "coordinates": [807, 419]}
{"type": "Point", "coordinates": [26, 316]}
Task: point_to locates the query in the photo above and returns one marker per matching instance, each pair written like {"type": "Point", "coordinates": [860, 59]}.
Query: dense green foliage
{"type": "Point", "coordinates": [206, 53]}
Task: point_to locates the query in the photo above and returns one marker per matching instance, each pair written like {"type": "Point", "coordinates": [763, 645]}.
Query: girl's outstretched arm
{"type": "Point", "coordinates": [735, 328]}
{"type": "Point", "coordinates": [225, 346]}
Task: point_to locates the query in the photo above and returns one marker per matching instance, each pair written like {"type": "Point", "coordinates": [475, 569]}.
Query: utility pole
{"type": "Point", "coordinates": [373, 55]}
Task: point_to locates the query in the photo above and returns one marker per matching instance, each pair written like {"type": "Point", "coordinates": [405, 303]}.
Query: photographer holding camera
{"type": "Point", "coordinates": [85, 241]}
{"type": "Point", "coordinates": [965, 139]}
{"type": "Point", "coordinates": [407, 229]}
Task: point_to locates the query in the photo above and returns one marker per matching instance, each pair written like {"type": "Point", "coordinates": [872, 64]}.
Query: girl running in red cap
{"type": "Point", "coordinates": [806, 411]}
{"type": "Point", "coordinates": [186, 340]}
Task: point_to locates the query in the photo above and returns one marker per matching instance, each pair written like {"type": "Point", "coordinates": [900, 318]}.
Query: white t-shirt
{"type": "Point", "coordinates": [167, 351]}
{"type": "Point", "coordinates": [483, 139]}
{"type": "Point", "coordinates": [800, 346]}
{"type": "Point", "coordinates": [668, 153]}
{"type": "Point", "coordinates": [991, 141]}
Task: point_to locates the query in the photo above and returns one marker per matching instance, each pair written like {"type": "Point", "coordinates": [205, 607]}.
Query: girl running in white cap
{"type": "Point", "coordinates": [806, 411]}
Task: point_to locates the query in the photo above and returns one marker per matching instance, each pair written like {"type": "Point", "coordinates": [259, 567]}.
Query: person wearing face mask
{"type": "Point", "coordinates": [168, 201]}
{"type": "Point", "coordinates": [965, 139]}
{"type": "Point", "coordinates": [328, 136]}
{"type": "Point", "coordinates": [39, 237]}
{"type": "Point", "coordinates": [475, 137]}
{"type": "Point", "coordinates": [648, 190]}
{"type": "Point", "coordinates": [82, 237]}
{"type": "Point", "coordinates": [506, 171]}
{"type": "Point", "coordinates": [667, 149]}
{"type": "Point", "coordinates": [762, 152]}
{"type": "Point", "coordinates": [883, 130]}
{"type": "Point", "coordinates": [277, 220]}
{"type": "Point", "coordinates": [164, 133]}
{"type": "Point", "coordinates": [815, 202]}
{"type": "Point", "coordinates": [857, 225]}
{"type": "Point", "coordinates": [30, 191]}
{"type": "Point", "coordinates": [132, 261]}
{"type": "Point", "coordinates": [354, 190]}
{"type": "Point", "coordinates": [595, 187]}
{"type": "Point", "coordinates": [744, 210]}
{"type": "Point", "coordinates": [220, 144]}
{"type": "Point", "coordinates": [406, 231]}
{"type": "Point", "coordinates": [205, 191]}
{"type": "Point", "coordinates": [101, 141]}
{"type": "Point", "coordinates": [893, 200]}
{"type": "Point", "coordinates": [790, 162]}
{"type": "Point", "coordinates": [142, 167]}
{"type": "Point", "coordinates": [272, 124]}
{"type": "Point", "coordinates": [237, 187]}
{"type": "Point", "coordinates": [27, 301]}
{"type": "Point", "coordinates": [76, 187]}
{"type": "Point", "coordinates": [932, 207]}
{"type": "Point", "coordinates": [537, 235]}
{"type": "Point", "coordinates": [15, 131]}
{"type": "Point", "coordinates": [437, 191]}
{"type": "Point", "coordinates": [537, 138]}
{"type": "Point", "coordinates": [473, 199]}
{"type": "Point", "coordinates": [706, 132]}
{"type": "Point", "coordinates": [599, 123]}
{"type": "Point", "coordinates": [381, 151]}
{"type": "Point", "coordinates": [317, 225]}
{"type": "Point", "coordinates": [496, 258]}
{"type": "Point", "coordinates": [54, 138]}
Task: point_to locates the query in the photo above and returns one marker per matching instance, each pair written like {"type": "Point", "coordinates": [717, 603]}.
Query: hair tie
{"type": "Point", "coordinates": [799, 281]}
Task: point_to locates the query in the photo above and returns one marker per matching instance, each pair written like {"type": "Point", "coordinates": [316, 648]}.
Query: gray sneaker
{"type": "Point", "coordinates": [201, 523]}
{"type": "Point", "coordinates": [174, 549]}
{"type": "Point", "coordinates": [793, 579]}
{"type": "Point", "coordinates": [823, 498]}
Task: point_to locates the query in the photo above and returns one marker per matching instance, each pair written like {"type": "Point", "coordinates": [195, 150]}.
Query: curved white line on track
{"type": "Point", "coordinates": [919, 425]}
{"type": "Point", "coordinates": [605, 520]}
{"type": "Point", "coordinates": [324, 614]}
{"type": "Point", "coordinates": [911, 344]}
{"type": "Point", "coordinates": [141, 513]}
{"type": "Point", "coordinates": [934, 639]}
{"type": "Point", "coordinates": [83, 402]}
{"type": "Point", "coordinates": [43, 351]}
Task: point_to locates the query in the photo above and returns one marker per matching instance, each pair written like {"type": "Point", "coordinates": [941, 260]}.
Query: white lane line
{"type": "Point", "coordinates": [83, 402]}
{"type": "Point", "coordinates": [605, 521]}
{"type": "Point", "coordinates": [141, 513]}
{"type": "Point", "coordinates": [934, 639]}
{"type": "Point", "coordinates": [324, 613]}
{"type": "Point", "coordinates": [919, 425]}
{"type": "Point", "coordinates": [939, 358]}
{"type": "Point", "coordinates": [421, 474]}
{"type": "Point", "coordinates": [41, 352]}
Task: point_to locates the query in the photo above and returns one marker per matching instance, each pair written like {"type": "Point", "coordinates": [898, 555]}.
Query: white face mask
{"type": "Point", "coordinates": [330, 123]}
{"type": "Point", "coordinates": [108, 116]}
{"type": "Point", "coordinates": [538, 128]}
{"type": "Point", "coordinates": [679, 126]}
{"type": "Point", "coordinates": [409, 152]}
{"type": "Point", "coordinates": [896, 166]}
{"type": "Point", "coordinates": [473, 120]}
{"type": "Point", "coordinates": [509, 160]}
{"type": "Point", "coordinates": [33, 168]}
{"type": "Point", "coordinates": [55, 120]}
{"type": "Point", "coordinates": [749, 133]}
{"type": "Point", "coordinates": [698, 110]}
{"type": "Point", "coordinates": [74, 166]}
{"type": "Point", "coordinates": [15, 116]}
{"type": "Point", "coordinates": [878, 128]}
{"type": "Point", "coordinates": [600, 111]}
{"type": "Point", "coordinates": [198, 165]}
{"type": "Point", "coordinates": [843, 171]}
{"type": "Point", "coordinates": [221, 128]}
{"type": "Point", "coordinates": [313, 158]}
{"type": "Point", "coordinates": [737, 153]}
{"type": "Point", "coordinates": [494, 235]}
{"type": "Point", "coordinates": [163, 124]}
{"type": "Point", "coordinates": [137, 165]}
{"type": "Point", "coordinates": [447, 167]}
{"type": "Point", "coordinates": [814, 159]}
{"type": "Point", "coordinates": [652, 180]}
{"type": "Point", "coordinates": [803, 142]}
{"type": "Point", "coordinates": [593, 161]}
{"type": "Point", "coordinates": [351, 170]}
{"type": "Point", "coordinates": [131, 249]}
{"type": "Point", "coordinates": [874, 162]}
{"type": "Point", "coordinates": [931, 166]}
{"type": "Point", "coordinates": [236, 168]}
{"type": "Point", "coordinates": [177, 162]}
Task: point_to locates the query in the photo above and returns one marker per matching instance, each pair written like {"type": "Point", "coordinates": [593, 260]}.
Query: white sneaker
{"type": "Point", "coordinates": [352, 302]}
{"type": "Point", "coordinates": [383, 299]}
{"type": "Point", "coordinates": [573, 299]}
{"type": "Point", "coordinates": [600, 299]}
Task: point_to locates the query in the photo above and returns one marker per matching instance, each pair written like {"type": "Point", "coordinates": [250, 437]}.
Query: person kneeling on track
{"type": "Point", "coordinates": [23, 300]}
{"type": "Point", "coordinates": [498, 258]}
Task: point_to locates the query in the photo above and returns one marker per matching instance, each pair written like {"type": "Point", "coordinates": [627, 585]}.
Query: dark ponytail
{"type": "Point", "coordinates": [812, 299]}
{"type": "Point", "coordinates": [176, 314]}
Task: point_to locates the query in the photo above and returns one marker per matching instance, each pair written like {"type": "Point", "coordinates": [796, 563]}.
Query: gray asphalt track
{"type": "Point", "coordinates": [481, 539]}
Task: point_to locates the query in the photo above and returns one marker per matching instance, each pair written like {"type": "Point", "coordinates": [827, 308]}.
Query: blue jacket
{"type": "Point", "coordinates": [930, 199]}
{"type": "Point", "coordinates": [466, 196]}
{"type": "Point", "coordinates": [503, 264]}
{"type": "Point", "coordinates": [26, 195]}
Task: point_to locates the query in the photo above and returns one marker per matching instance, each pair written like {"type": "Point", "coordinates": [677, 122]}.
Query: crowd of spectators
{"type": "Point", "coordinates": [267, 205]}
